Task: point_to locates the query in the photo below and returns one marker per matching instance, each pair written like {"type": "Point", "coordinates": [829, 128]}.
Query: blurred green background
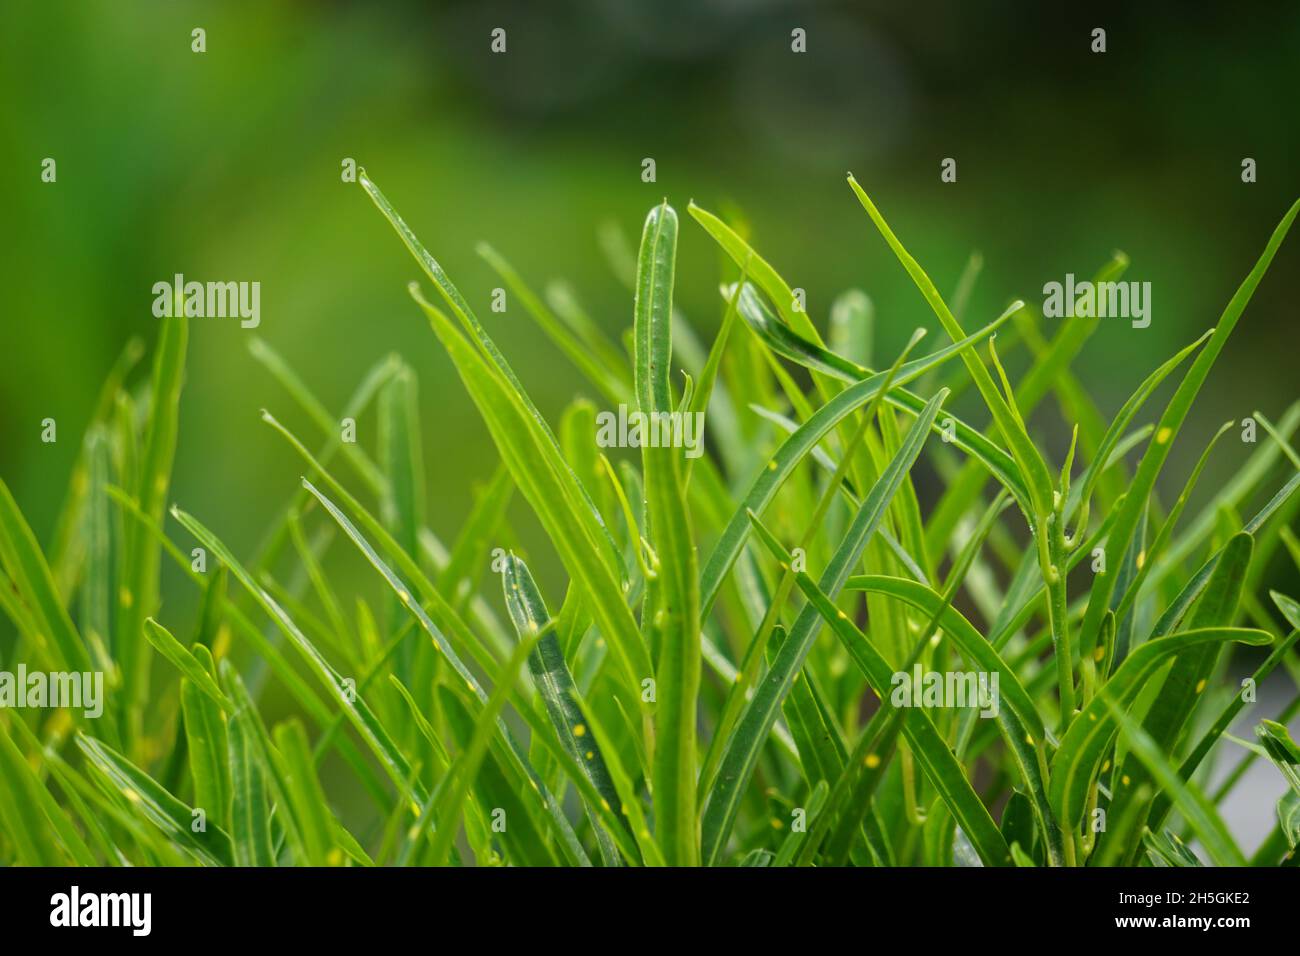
{"type": "Point", "coordinates": [226, 165]}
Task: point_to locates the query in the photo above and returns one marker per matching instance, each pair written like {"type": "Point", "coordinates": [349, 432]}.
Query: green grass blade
{"type": "Point", "coordinates": [588, 361]}
{"type": "Point", "coordinates": [675, 593]}
{"type": "Point", "coordinates": [653, 310]}
{"type": "Point", "coordinates": [470, 550]}
{"type": "Point", "coordinates": [1017, 717]}
{"type": "Point", "coordinates": [403, 459]}
{"type": "Point", "coordinates": [305, 794]}
{"type": "Point", "coordinates": [268, 759]}
{"type": "Point", "coordinates": [1038, 480]}
{"type": "Point", "coordinates": [701, 399]}
{"type": "Point", "coordinates": [1281, 749]}
{"type": "Point", "coordinates": [1198, 811]}
{"type": "Point", "coordinates": [852, 327]}
{"type": "Point", "coordinates": [250, 815]}
{"type": "Point", "coordinates": [408, 565]}
{"type": "Point", "coordinates": [759, 268]}
{"type": "Point", "coordinates": [170, 648]}
{"type": "Point", "coordinates": [72, 784]}
{"type": "Point", "coordinates": [208, 748]}
{"type": "Point", "coordinates": [1193, 588]}
{"type": "Point", "coordinates": [1133, 587]}
{"type": "Point", "coordinates": [802, 443]}
{"type": "Point", "coordinates": [562, 300]}
{"type": "Point", "coordinates": [1167, 849]}
{"type": "Point", "coordinates": [66, 545]}
{"type": "Point", "coordinates": [518, 754]}
{"type": "Point", "coordinates": [1233, 493]}
{"type": "Point", "coordinates": [524, 839]}
{"type": "Point", "coordinates": [486, 348]}
{"type": "Point", "coordinates": [361, 716]}
{"type": "Point", "coordinates": [558, 691]}
{"type": "Point", "coordinates": [96, 599]}
{"type": "Point", "coordinates": [1181, 690]}
{"type": "Point", "coordinates": [1043, 511]}
{"type": "Point", "coordinates": [463, 771]}
{"type": "Point", "coordinates": [367, 389]}
{"type": "Point", "coordinates": [283, 373]}
{"type": "Point", "coordinates": [1050, 370]}
{"type": "Point", "coordinates": [319, 711]}
{"type": "Point", "coordinates": [402, 504]}
{"type": "Point", "coordinates": [1171, 421]}
{"type": "Point", "coordinates": [138, 594]}
{"type": "Point", "coordinates": [1078, 759]}
{"type": "Point", "coordinates": [209, 767]}
{"type": "Point", "coordinates": [795, 840]}
{"type": "Point", "coordinates": [740, 755]}
{"type": "Point", "coordinates": [849, 803]}
{"type": "Point", "coordinates": [553, 492]}
{"type": "Point", "coordinates": [932, 751]}
{"type": "Point", "coordinates": [39, 829]}
{"type": "Point", "coordinates": [1118, 426]}
{"type": "Point", "coordinates": [1161, 805]}
{"type": "Point", "coordinates": [784, 341]}
{"type": "Point", "coordinates": [27, 568]}
{"type": "Point", "coordinates": [211, 846]}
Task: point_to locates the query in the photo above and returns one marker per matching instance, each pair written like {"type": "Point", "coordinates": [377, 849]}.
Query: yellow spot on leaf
{"type": "Point", "coordinates": [1163, 435]}
{"type": "Point", "coordinates": [872, 760]}
{"type": "Point", "coordinates": [579, 730]}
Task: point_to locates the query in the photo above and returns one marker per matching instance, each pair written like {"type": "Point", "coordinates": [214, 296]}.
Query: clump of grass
{"type": "Point", "coordinates": [715, 684]}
